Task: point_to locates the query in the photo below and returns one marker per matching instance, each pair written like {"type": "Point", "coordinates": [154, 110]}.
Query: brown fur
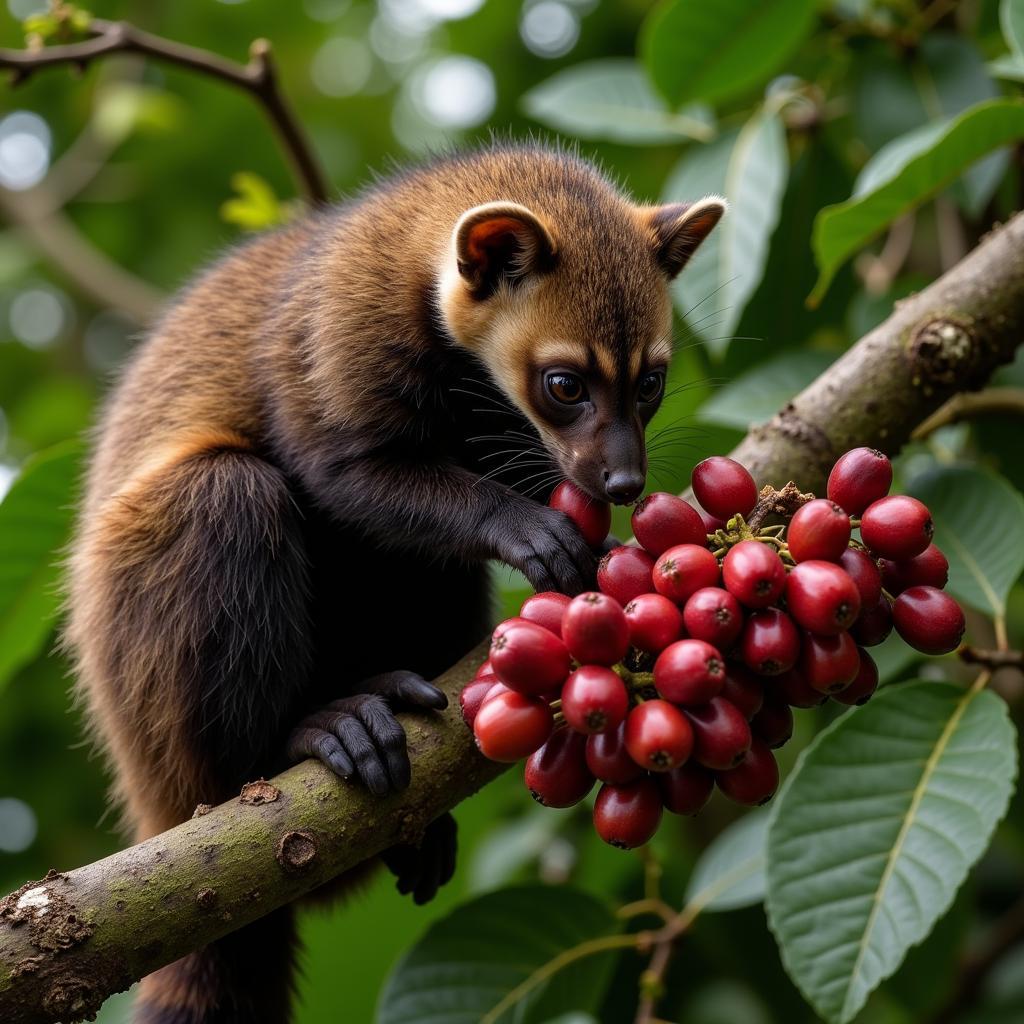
{"type": "Point", "coordinates": [288, 451]}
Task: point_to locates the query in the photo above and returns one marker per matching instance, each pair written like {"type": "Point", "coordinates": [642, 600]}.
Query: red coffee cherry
{"type": "Point", "coordinates": [744, 689]}
{"type": "Point", "coordinates": [627, 816]}
{"type": "Point", "coordinates": [658, 736]}
{"type": "Point", "coordinates": [754, 780]}
{"type": "Point", "coordinates": [773, 723]}
{"type": "Point", "coordinates": [859, 477]}
{"type": "Point", "coordinates": [594, 699]}
{"type": "Point", "coordinates": [528, 658]}
{"type": "Point", "coordinates": [721, 735]}
{"type": "Point", "coordinates": [770, 643]}
{"type": "Point", "coordinates": [864, 683]}
{"type": "Point", "coordinates": [818, 530]}
{"type": "Point", "coordinates": [724, 487]}
{"type": "Point", "coordinates": [874, 624]}
{"type": "Point", "coordinates": [557, 775]}
{"type": "Point", "coordinates": [686, 789]}
{"type": "Point", "coordinates": [654, 622]}
{"type": "Point", "coordinates": [711, 523]}
{"type": "Point", "coordinates": [829, 663]}
{"type": "Point", "coordinates": [928, 569]}
{"type": "Point", "coordinates": [753, 573]}
{"type": "Point", "coordinates": [546, 609]}
{"type": "Point", "coordinates": [661, 521]}
{"type": "Point", "coordinates": [713, 615]}
{"type": "Point", "coordinates": [625, 573]}
{"type": "Point", "coordinates": [511, 726]}
{"type": "Point", "coordinates": [495, 689]}
{"type": "Point", "coordinates": [593, 518]}
{"type": "Point", "coordinates": [863, 570]}
{"type": "Point", "coordinates": [794, 689]}
{"type": "Point", "coordinates": [689, 672]}
{"type": "Point", "coordinates": [929, 620]}
{"type": "Point", "coordinates": [822, 598]}
{"type": "Point", "coordinates": [897, 527]}
{"type": "Point", "coordinates": [595, 629]}
{"type": "Point", "coordinates": [609, 760]}
{"type": "Point", "coordinates": [683, 570]}
{"type": "Point", "coordinates": [472, 696]}
{"type": "Point", "coordinates": [485, 669]}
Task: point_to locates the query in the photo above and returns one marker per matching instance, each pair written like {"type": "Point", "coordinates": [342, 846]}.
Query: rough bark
{"type": "Point", "coordinates": [943, 340]}
{"type": "Point", "coordinates": [71, 939]}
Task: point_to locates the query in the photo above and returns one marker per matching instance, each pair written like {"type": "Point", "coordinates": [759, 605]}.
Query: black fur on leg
{"type": "Point", "coordinates": [245, 978]}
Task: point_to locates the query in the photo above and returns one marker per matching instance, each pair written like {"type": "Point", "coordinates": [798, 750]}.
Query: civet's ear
{"type": "Point", "coordinates": [679, 228]}
{"type": "Point", "coordinates": [500, 241]}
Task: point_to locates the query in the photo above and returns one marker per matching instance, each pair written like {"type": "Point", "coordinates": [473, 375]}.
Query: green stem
{"type": "Point", "coordinates": [569, 956]}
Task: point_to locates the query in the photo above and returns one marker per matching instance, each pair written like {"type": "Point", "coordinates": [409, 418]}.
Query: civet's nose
{"type": "Point", "coordinates": [623, 485]}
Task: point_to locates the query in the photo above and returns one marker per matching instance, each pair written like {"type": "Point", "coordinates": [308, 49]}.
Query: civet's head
{"type": "Point", "coordinates": [565, 298]}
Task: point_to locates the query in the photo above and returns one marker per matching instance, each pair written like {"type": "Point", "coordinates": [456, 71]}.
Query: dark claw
{"type": "Point", "coordinates": [422, 870]}
{"type": "Point", "coordinates": [324, 746]}
{"type": "Point", "coordinates": [358, 744]}
{"type": "Point", "coordinates": [360, 736]}
{"type": "Point", "coordinates": [388, 738]}
{"type": "Point", "coordinates": [406, 689]}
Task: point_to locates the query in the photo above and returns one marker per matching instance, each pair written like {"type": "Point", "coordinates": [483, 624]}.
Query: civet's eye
{"type": "Point", "coordinates": [651, 386]}
{"type": "Point", "coordinates": [566, 388]}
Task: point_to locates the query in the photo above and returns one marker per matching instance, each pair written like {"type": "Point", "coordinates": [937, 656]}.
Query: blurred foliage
{"type": "Point", "coordinates": [903, 118]}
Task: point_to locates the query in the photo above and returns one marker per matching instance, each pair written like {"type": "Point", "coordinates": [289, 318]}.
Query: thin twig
{"type": "Point", "coordinates": [992, 659]}
{"type": "Point", "coordinates": [258, 77]}
{"type": "Point", "coordinates": [91, 270]}
{"type": "Point", "coordinates": [969, 405]}
{"type": "Point", "coordinates": [1007, 933]}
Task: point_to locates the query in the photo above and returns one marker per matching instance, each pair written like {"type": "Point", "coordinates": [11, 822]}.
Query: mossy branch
{"type": "Point", "coordinates": [70, 940]}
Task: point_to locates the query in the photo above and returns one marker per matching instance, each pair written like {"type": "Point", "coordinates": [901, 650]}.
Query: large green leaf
{"type": "Point", "coordinates": [467, 962]}
{"type": "Point", "coordinates": [979, 525]}
{"type": "Point", "coordinates": [35, 522]}
{"type": "Point", "coordinates": [759, 393]}
{"type": "Point", "coordinates": [748, 167]}
{"type": "Point", "coordinates": [894, 96]}
{"type": "Point", "coordinates": [700, 51]}
{"type": "Point", "coordinates": [613, 99]}
{"type": "Point", "coordinates": [876, 830]}
{"type": "Point", "coordinates": [915, 176]}
{"type": "Point", "coordinates": [730, 872]}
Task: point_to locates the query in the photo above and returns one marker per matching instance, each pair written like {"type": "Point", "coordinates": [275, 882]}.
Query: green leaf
{"type": "Point", "coordinates": [895, 95]}
{"type": "Point", "coordinates": [730, 872]}
{"type": "Point", "coordinates": [875, 831]}
{"type": "Point", "coordinates": [1010, 66]}
{"type": "Point", "coordinates": [35, 523]}
{"type": "Point", "coordinates": [126, 107]}
{"type": "Point", "coordinates": [840, 230]}
{"type": "Point", "coordinates": [613, 99]}
{"type": "Point", "coordinates": [45, 26]}
{"type": "Point", "coordinates": [256, 207]}
{"type": "Point", "coordinates": [699, 51]}
{"type": "Point", "coordinates": [758, 394]}
{"type": "Point", "coordinates": [979, 526]}
{"type": "Point", "coordinates": [1011, 20]}
{"type": "Point", "coordinates": [467, 962]}
{"type": "Point", "coordinates": [749, 167]}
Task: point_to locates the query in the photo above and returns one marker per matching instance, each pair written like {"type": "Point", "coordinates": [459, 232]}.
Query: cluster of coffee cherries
{"type": "Point", "coordinates": [680, 674]}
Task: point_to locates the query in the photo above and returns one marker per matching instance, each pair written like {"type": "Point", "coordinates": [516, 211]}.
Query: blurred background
{"type": "Point", "coordinates": [116, 185]}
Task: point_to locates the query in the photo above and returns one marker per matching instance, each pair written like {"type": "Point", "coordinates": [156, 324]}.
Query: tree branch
{"type": "Point", "coordinates": [946, 339]}
{"type": "Point", "coordinates": [70, 940]}
{"type": "Point", "coordinates": [87, 267]}
{"type": "Point", "coordinates": [258, 78]}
